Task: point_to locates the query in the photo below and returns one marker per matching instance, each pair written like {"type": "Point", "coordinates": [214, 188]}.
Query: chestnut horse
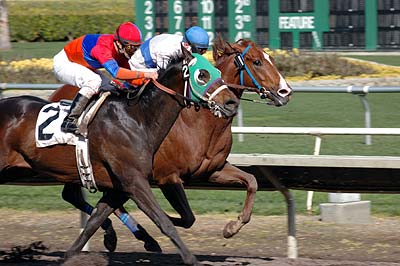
{"type": "Point", "coordinates": [121, 171]}
{"type": "Point", "coordinates": [198, 144]}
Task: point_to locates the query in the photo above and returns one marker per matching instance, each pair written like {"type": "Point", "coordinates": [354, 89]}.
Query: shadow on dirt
{"type": "Point", "coordinates": [37, 254]}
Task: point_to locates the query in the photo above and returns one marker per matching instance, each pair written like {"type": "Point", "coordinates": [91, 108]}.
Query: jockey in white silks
{"type": "Point", "coordinates": [156, 52]}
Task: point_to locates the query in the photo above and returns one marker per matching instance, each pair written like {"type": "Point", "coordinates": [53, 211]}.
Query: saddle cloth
{"type": "Point", "coordinates": [48, 126]}
{"type": "Point", "coordinates": [48, 132]}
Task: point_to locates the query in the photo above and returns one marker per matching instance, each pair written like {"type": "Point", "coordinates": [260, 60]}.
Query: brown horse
{"type": "Point", "coordinates": [121, 171]}
{"type": "Point", "coordinates": [198, 144]}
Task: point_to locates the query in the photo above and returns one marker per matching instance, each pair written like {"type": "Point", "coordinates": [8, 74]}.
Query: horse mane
{"type": "Point", "coordinates": [222, 48]}
{"type": "Point", "coordinates": [172, 64]}
{"type": "Point", "coordinates": [245, 42]}
{"type": "Point", "coordinates": [172, 68]}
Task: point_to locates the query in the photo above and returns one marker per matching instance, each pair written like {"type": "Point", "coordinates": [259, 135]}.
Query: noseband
{"type": "Point", "coordinates": [241, 65]}
{"type": "Point", "coordinates": [206, 98]}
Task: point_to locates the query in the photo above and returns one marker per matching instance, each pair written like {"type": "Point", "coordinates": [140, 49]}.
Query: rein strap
{"type": "Point", "coordinates": [163, 88]}
{"type": "Point", "coordinates": [244, 66]}
{"type": "Point", "coordinates": [171, 92]}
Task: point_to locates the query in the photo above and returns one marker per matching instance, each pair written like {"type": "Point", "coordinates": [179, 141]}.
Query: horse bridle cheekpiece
{"type": "Point", "coordinates": [197, 89]}
{"type": "Point", "coordinates": [241, 65]}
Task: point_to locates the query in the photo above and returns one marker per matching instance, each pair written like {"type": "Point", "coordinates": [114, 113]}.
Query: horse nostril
{"type": "Point", "coordinates": [233, 103]}
{"type": "Point", "coordinates": [284, 92]}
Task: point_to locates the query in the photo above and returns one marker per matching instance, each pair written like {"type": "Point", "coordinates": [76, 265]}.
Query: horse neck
{"type": "Point", "coordinates": [204, 126]}
{"type": "Point", "coordinates": [161, 111]}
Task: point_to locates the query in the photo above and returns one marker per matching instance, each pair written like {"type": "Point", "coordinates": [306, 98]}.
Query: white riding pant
{"type": "Point", "coordinates": [75, 74]}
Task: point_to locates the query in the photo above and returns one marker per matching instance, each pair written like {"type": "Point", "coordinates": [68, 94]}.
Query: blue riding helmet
{"type": "Point", "coordinates": [197, 38]}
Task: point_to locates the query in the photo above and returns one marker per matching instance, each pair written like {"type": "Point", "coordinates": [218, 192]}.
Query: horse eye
{"type": "Point", "coordinates": [257, 62]}
{"type": "Point", "coordinates": [202, 76]}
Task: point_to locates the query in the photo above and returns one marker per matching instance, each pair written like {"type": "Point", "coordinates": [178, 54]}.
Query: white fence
{"type": "Point", "coordinates": [361, 91]}
{"type": "Point", "coordinates": [313, 131]}
{"type": "Point", "coordinates": [348, 162]}
{"type": "Point", "coordinates": [317, 132]}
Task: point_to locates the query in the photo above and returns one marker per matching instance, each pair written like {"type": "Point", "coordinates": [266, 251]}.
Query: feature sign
{"type": "Point", "coordinates": [145, 18]}
{"type": "Point", "coordinates": [296, 23]}
{"type": "Point", "coordinates": [315, 22]}
{"type": "Point", "coordinates": [241, 15]}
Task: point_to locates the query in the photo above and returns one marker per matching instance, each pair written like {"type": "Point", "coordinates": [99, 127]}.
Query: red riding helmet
{"type": "Point", "coordinates": [128, 34]}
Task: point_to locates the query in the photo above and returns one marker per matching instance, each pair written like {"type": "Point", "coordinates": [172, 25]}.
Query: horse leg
{"type": "Point", "coordinates": [72, 193]}
{"type": "Point", "coordinates": [175, 194]}
{"type": "Point", "coordinates": [230, 174]}
{"type": "Point", "coordinates": [150, 244]}
{"type": "Point", "coordinates": [143, 196]}
{"type": "Point", "coordinates": [110, 201]}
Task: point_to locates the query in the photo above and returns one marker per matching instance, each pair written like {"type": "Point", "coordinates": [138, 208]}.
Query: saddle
{"type": "Point", "coordinates": [48, 127]}
{"type": "Point", "coordinates": [48, 132]}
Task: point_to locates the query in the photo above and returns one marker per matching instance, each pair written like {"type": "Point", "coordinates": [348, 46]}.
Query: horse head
{"type": "Point", "coordinates": [202, 84]}
{"type": "Point", "coordinates": [250, 64]}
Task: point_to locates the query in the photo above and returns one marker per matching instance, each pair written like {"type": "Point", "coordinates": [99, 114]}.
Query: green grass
{"type": "Point", "coordinates": [305, 110]}
{"type": "Point", "coordinates": [202, 201]}
{"type": "Point", "coordinates": [47, 7]}
{"type": "Point", "coordinates": [49, 49]}
{"type": "Point", "coordinates": [322, 110]}
{"type": "Point", "coordinates": [28, 50]}
{"type": "Point", "coordinates": [336, 110]}
{"type": "Point", "coordinates": [393, 60]}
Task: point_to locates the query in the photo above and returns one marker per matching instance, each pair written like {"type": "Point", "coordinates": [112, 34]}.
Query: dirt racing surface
{"type": "Point", "coordinates": [262, 242]}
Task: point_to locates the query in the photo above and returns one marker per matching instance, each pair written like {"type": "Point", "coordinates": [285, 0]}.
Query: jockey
{"type": "Point", "coordinates": [158, 50]}
{"type": "Point", "coordinates": [78, 63]}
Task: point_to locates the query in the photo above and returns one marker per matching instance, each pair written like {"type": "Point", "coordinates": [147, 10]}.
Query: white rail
{"type": "Point", "coordinates": [310, 160]}
{"type": "Point", "coordinates": [317, 131]}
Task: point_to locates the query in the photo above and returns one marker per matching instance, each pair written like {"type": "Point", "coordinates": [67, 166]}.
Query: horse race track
{"type": "Point", "coordinates": [262, 242]}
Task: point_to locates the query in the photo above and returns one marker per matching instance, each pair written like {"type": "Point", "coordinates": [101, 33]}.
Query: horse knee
{"type": "Point", "coordinates": [252, 185]}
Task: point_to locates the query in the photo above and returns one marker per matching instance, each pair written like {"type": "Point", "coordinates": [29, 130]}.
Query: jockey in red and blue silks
{"type": "Point", "coordinates": [78, 63]}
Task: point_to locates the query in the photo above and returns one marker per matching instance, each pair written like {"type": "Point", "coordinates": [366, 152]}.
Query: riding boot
{"type": "Point", "coordinates": [69, 125]}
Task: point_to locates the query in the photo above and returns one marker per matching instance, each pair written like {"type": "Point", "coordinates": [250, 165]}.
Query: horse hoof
{"type": "Point", "coordinates": [69, 254]}
{"type": "Point", "coordinates": [110, 239]}
{"type": "Point", "coordinates": [152, 246]}
{"type": "Point", "coordinates": [230, 229]}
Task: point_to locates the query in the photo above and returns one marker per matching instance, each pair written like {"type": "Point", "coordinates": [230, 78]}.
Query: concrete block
{"type": "Point", "coordinates": [346, 213]}
{"type": "Point", "coordinates": [343, 197]}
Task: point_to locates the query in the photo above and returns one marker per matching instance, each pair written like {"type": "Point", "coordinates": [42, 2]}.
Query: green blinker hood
{"type": "Point", "coordinates": [198, 91]}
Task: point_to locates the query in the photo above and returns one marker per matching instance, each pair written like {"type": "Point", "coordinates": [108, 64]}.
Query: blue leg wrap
{"type": "Point", "coordinates": [126, 220]}
{"type": "Point", "coordinates": [89, 209]}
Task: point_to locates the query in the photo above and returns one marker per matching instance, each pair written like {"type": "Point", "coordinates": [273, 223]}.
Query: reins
{"type": "Point", "coordinates": [188, 101]}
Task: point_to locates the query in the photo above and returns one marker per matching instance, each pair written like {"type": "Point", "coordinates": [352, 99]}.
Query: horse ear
{"type": "Point", "coordinates": [220, 47]}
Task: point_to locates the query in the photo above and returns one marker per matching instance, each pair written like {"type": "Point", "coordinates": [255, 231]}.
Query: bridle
{"type": "Point", "coordinates": [206, 99]}
{"type": "Point", "coordinates": [241, 65]}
